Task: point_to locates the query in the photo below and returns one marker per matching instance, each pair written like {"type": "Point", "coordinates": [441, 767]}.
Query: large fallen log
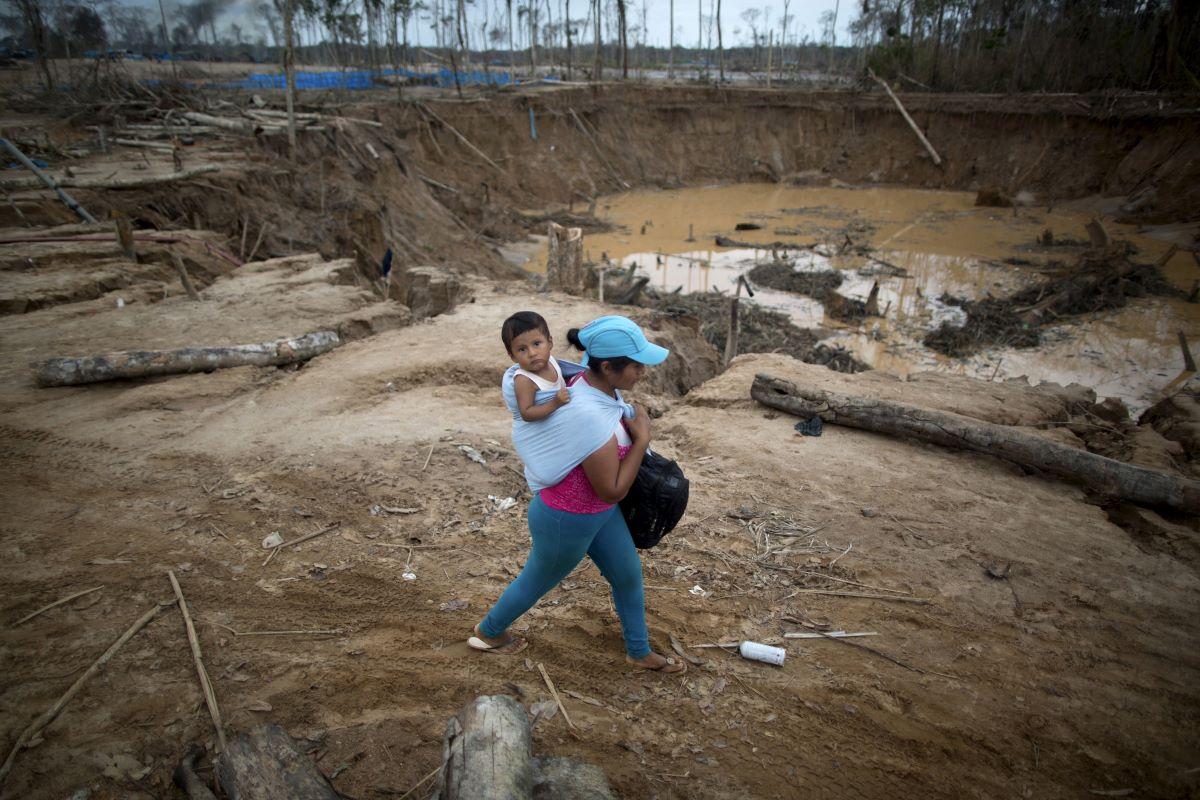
{"type": "Point", "coordinates": [133, 182]}
{"type": "Point", "coordinates": [486, 756]}
{"type": "Point", "coordinates": [145, 363]}
{"type": "Point", "coordinates": [268, 765]}
{"type": "Point", "coordinates": [1105, 476]}
{"type": "Point", "coordinates": [486, 752]}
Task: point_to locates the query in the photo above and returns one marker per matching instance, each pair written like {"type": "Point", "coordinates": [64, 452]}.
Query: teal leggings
{"type": "Point", "coordinates": [560, 541]}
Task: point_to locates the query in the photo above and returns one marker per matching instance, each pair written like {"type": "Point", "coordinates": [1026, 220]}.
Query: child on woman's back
{"type": "Point", "coordinates": [527, 338]}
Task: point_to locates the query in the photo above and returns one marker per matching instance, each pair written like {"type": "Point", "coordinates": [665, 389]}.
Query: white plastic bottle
{"type": "Point", "coordinates": [756, 651]}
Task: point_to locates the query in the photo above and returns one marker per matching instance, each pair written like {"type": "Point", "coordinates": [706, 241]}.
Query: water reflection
{"type": "Point", "coordinates": [946, 245]}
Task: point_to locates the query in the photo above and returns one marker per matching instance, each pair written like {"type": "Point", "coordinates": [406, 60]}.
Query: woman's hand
{"type": "Point", "coordinates": [639, 426]}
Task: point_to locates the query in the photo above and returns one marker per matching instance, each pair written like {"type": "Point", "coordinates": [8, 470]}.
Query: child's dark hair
{"type": "Point", "coordinates": [616, 363]}
{"type": "Point", "coordinates": [522, 322]}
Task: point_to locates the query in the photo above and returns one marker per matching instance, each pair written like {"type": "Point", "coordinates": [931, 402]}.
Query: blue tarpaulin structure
{"type": "Point", "coordinates": [364, 79]}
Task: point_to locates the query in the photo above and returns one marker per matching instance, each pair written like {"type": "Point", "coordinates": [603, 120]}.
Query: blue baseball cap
{"type": "Point", "coordinates": [609, 337]}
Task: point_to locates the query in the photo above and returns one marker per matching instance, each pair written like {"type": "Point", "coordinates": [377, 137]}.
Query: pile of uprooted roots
{"type": "Point", "coordinates": [820, 285]}
{"type": "Point", "coordinates": [760, 330]}
{"type": "Point", "coordinates": [1101, 279]}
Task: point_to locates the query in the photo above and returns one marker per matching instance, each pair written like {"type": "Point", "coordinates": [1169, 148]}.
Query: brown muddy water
{"type": "Point", "coordinates": [945, 243]}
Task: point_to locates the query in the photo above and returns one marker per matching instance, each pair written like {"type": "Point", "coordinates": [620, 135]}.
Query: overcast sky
{"type": "Point", "coordinates": [804, 18]}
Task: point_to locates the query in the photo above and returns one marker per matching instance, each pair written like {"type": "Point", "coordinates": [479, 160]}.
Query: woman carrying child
{"type": "Point", "coordinates": [582, 449]}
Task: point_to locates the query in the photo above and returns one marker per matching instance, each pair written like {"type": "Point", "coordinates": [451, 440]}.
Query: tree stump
{"type": "Point", "coordinates": [427, 291]}
{"type": "Point", "coordinates": [564, 267]}
{"type": "Point", "coordinates": [486, 752]}
{"type": "Point", "coordinates": [268, 765]}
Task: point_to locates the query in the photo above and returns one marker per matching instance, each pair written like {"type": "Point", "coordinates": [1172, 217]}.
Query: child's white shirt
{"type": "Point", "coordinates": [541, 383]}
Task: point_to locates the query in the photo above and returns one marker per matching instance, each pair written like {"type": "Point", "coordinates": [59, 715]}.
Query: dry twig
{"type": "Point", "coordinates": [554, 692]}
{"type": "Point", "coordinates": [56, 603]}
{"type": "Point", "coordinates": [210, 697]}
{"type": "Point", "coordinates": [48, 716]}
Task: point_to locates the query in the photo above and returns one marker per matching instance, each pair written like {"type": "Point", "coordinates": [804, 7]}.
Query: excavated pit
{"type": "Point", "coordinates": [1067, 676]}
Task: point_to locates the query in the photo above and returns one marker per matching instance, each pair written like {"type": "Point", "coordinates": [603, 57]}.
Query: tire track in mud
{"type": "Point", "coordinates": [39, 436]}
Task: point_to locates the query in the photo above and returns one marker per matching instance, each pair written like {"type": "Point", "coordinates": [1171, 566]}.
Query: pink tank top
{"type": "Point", "coordinates": [574, 493]}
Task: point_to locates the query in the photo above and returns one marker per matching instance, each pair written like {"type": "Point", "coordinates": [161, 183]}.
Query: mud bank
{"type": "Point", "coordinates": [414, 185]}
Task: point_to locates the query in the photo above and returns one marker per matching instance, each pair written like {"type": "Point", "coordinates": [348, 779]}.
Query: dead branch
{"type": "Point", "coordinates": [50, 714]}
{"type": "Point", "coordinates": [134, 182]}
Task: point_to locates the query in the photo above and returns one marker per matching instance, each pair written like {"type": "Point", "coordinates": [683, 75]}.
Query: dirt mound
{"type": "Point", "coordinates": [1099, 280]}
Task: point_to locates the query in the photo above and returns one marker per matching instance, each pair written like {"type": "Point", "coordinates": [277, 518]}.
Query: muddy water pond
{"type": "Point", "coordinates": [943, 244]}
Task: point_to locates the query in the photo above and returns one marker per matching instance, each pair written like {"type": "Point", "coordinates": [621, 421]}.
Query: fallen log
{"type": "Point", "coordinates": [239, 125]}
{"type": "Point", "coordinates": [163, 146]}
{"type": "Point", "coordinates": [138, 237]}
{"type": "Point", "coordinates": [486, 752]}
{"type": "Point", "coordinates": [460, 137]}
{"type": "Point", "coordinates": [145, 363]}
{"type": "Point", "coordinates": [904, 113]}
{"type": "Point", "coordinates": [486, 756]}
{"type": "Point", "coordinates": [268, 765]}
{"type": "Point", "coordinates": [41, 178]}
{"type": "Point", "coordinates": [134, 182]}
{"type": "Point", "coordinates": [1105, 476]}
{"type": "Point", "coordinates": [599, 153]}
{"type": "Point", "coordinates": [725, 241]}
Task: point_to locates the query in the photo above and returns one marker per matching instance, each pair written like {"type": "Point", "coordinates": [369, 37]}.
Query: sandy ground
{"type": "Point", "coordinates": [1075, 674]}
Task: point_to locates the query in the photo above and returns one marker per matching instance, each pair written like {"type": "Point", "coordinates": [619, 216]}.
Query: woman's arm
{"type": "Point", "coordinates": [611, 476]}
{"type": "Point", "coordinates": [530, 410]}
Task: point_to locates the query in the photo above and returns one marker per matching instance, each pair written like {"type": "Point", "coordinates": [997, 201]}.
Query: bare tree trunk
{"type": "Point", "coordinates": [671, 51]}
{"type": "Point", "coordinates": [289, 71]}
{"type": "Point", "coordinates": [624, 42]}
{"type": "Point", "coordinates": [598, 63]}
{"type": "Point", "coordinates": [512, 53]}
{"type": "Point", "coordinates": [532, 38]}
{"type": "Point", "coordinates": [460, 17]}
{"type": "Point", "coordinates": [32, 11]}
{"type": "Point", "coordinates": [937, 44]}
{"type": "Point", "coordinates": [720, 45]}
{"type": "Point", "coordinates": [783, 38]}
{"type": "Point", "coordinates": [567, 22]}
{"type": "Point", "coordinates": [1097, 473]}
{"type": "Point", "coordinates": [833, 35]}
{"type": "Point", "coordinates": [167, 43]}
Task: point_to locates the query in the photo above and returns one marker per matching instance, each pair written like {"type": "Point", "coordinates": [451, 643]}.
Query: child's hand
{"type": "Point", "coordinates": [563, 396]}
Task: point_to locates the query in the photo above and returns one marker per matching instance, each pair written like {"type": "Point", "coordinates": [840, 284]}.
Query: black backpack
{"type": "Point", "coordinates": [656, 501]}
